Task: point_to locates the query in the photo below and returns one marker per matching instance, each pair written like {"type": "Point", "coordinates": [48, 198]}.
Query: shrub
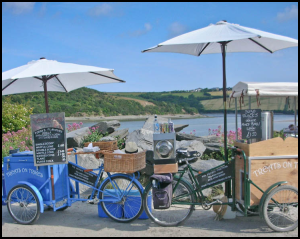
{"type": "Point", "coordinates": [74, 126]}
{"type": "Point", "coordinates": [14, 116]}
{"type": "Point", "coordinates": [16, 140]}
{"type": "Point", "coordinates": [94, 136]}
{"type": "Point", "coordinates": [231, 137]}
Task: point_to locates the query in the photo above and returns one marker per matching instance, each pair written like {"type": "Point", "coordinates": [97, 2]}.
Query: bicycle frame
{"type": "Point", "coordinates": [114, 198]}
{"type": "Point", "coordinates": [197, 191]}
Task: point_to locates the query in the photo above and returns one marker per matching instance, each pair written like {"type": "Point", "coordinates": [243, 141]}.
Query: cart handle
{"type": "Point", "coordinates": [88, 170]}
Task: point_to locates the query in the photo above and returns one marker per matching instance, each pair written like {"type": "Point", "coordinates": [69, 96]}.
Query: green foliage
{"type": "Point", "coordinates": [14, 115]}
{"type": "Point", "coordinates": [279, 134]}
{"type": "Point", "coordinates": [121, 142]}
{"type": "Point", "coordinates": [190, 104]}
{"type": "Point", "coordinates": [89, 102]}
{"type": "Point", "coordinates": [94, 136]}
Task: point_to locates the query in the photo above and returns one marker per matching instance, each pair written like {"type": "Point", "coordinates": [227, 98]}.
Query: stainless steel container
{"type": "Point", "coordinates": [267, 125]}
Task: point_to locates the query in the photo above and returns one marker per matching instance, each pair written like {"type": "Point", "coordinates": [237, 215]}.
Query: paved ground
{"type": "Point", "coordinates": [82, 220]}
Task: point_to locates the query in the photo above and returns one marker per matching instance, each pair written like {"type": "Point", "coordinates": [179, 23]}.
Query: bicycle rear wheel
{"type": "Point", "coordinates": [129, 207]}
{"type": "Point", "coordinates": [178, 211]}
{"type": "Point", "coordinates": [280, 209]}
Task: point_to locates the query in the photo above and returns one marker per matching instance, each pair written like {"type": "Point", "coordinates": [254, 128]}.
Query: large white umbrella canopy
{"type": "Point", "coordinates": [49, 75]}
{"type": "Point", "coordinates": [224, 37]}
{"type": "Point", "coordinates": [239, 39]}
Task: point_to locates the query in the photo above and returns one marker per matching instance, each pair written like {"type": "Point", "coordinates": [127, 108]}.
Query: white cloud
{"type": "Point", "coordinates": [137, 33]}
{"type": "Point", "coordinates": [19, 7]}
{"type": "Point", "coordinates": [148, 27]}
{"type": "Point", "coordinates": [101, 10]}
{"type": "Point", "coordinates": [176, 29]}
{"type": "Point", "coordinates": [288, 14]}
{"type": "Point", "coordinates": [43, 9]}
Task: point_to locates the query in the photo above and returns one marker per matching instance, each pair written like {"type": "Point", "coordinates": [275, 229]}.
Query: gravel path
{"type": "Point", "coordinates": [81, 220]}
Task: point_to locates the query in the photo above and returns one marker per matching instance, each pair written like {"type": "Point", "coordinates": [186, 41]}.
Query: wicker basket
{"type": "Point", "coordinates": [109, 145]}
{"type": "Point", "coordinates": [124, 163]}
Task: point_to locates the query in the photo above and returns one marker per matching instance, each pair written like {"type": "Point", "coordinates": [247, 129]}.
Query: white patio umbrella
{"type": "Point", "coordinates": [224, 37]}
{"type": "Point", "coordinates": [49, 75]}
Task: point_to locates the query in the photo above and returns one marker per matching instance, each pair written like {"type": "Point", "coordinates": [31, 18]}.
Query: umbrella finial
{"type": "Point", "coordinates": [42, 58]}
{"type": "Point", "coordinates": [221, 22]}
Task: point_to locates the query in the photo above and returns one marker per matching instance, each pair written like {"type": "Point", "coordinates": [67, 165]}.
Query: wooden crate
{"type": "Point", "coordinates": [268, 162]}
{"type": "Point", "coordinates": [166, 168]}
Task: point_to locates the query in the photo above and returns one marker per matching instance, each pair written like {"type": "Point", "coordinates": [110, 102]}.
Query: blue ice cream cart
{"type": "Point", "coordinates": [27, 188]}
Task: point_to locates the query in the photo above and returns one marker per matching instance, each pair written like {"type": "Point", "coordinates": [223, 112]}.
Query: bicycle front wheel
{"type": "Point", "coordinates": [280, 209]}
{"type": "Point", "coordinates": [180, 209]}
{"type": "Point", "coordinates": [121, 199]}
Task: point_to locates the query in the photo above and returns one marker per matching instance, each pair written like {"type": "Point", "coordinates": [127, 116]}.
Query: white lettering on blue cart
{"type": "Point", "coordinates": [24, 170]}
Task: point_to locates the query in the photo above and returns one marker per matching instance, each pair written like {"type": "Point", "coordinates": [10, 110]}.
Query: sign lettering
{"type": "Point", "coordinates": [251, 124]}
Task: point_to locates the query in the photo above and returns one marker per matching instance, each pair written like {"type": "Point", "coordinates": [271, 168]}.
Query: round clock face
{"type": "Point", "coordinates": [164, 149]}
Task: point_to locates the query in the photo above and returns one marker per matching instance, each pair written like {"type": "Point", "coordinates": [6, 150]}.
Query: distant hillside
{"type": "Point", "coordinates": [276, 104]}
{"type": "Point", "coordinates": [209, 101]}
{"type": "Point", "coordinates": [89, 102]}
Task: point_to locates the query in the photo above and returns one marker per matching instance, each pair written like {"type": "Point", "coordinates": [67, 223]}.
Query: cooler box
{"type": "Point", "coordinates": [115, 209]}
{"type": "Point", "coordinates": [20, 167]}
{"type": "Point", "coordinates": [134, 199]}
{"type": "Point", "coordinates": [3, 188]}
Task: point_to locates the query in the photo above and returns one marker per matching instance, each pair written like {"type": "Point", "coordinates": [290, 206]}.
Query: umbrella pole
{"type": "Point", "coordinates": [44, 78]}
{"type": "Point", "coordinates": [227, 184]}
{"type": "Point", "coordinates": [223, 45]}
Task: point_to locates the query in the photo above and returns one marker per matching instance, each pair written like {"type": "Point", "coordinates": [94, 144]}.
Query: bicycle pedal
{"type": "Point", "coordinates": [94, 201]}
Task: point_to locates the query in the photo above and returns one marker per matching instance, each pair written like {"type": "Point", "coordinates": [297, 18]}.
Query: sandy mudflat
{"type": "Point", "coordinates": [81, 220]}
{"type": "Point", "coordinates": [130, 117]}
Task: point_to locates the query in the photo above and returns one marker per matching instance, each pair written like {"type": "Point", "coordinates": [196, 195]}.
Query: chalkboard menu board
{"type": "Point", "coordinates": [251, 124]}
{"type": "Point", "coordinates": [76, 172]}
{"type": "Point", "coordinates": [49, 138]}
{"type": "Point", "coordinates": [216, 176]}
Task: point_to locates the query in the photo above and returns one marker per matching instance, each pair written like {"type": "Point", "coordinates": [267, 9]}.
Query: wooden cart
{"type": "Point", "coordinates": [268, 165]}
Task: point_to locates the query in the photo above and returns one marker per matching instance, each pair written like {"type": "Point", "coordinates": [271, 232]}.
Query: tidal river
{"type": "Point", "coordinates": [200, 126]}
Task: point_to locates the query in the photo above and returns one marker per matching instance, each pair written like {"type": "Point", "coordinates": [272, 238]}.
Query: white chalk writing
{"type": "Point", "coordinates": [275, 166]}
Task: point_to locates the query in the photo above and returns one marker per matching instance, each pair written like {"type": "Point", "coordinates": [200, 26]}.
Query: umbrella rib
{"type": "Point", "coordinates": [107, 76]}
{"type": "Point", "coordinates": [60, 83]}
{"type": "Point", "coordinates": [9, 84]}
{"type": "Point", "coordinates": [47, 78]}
{"type": "Point", "coordinates": [150, 49]}
{"type": "Point", "coordinates": [203, 49]}
{"type": "Point", "coordinates": [260, 45]}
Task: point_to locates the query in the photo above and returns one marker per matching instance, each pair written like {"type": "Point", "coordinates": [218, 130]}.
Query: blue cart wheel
{"type": "Point", "coordinates": [126, 199]}
{"type": "Point", "coordinates": [23, 204]}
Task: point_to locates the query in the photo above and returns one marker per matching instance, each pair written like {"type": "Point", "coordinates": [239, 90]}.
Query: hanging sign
{"type": "Point", "coordinates": [251, 124]}
{"type": "Point", "coordinates": [217, 175]}
{"type": "Point", "coordinates": [77, 173]}
{"type": "Point", "coordinates": [49, 138]}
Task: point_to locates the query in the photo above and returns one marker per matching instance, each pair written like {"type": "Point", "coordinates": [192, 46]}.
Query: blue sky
{"type": "Point", "coordinates": [112, 35]}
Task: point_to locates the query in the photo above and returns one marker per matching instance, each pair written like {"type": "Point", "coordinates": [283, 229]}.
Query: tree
{"type": "Point", "coordinates": [14, 116]}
